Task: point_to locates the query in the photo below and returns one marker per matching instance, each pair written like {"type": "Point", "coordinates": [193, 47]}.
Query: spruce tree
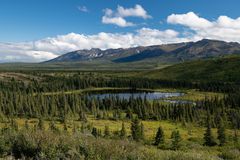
{"type": "Point", "coordinates": [221, 133]}
{"type": "Point", "coordinates": [159, 139]}
{"type": "Point", "coordinates": [176, 139]}
{"type": "Point", "coordinates": [208, 137]}
{"type": "Point", "coordinates": [94, 132]}
{"type": "Point", "coordinates": [142, 131]}
{"type": "Point", "coordinates": [136, 129]}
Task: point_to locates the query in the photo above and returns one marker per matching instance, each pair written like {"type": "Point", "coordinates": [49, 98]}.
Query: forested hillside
{"type": "Point", "coordinates": [52, 115]}
{"type": "Point", "coordinates": [218, 70]}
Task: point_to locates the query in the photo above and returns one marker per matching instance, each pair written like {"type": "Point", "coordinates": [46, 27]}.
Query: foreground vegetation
{"type": "Point", "coordinates": [52, 115]}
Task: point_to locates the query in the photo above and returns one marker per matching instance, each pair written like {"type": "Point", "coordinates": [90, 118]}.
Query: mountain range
{"type": "Point", "coordinates": [166, 53]}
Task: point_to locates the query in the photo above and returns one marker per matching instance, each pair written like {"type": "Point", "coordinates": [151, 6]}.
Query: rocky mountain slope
{"type": "Point", "coordinates": [164, 53]}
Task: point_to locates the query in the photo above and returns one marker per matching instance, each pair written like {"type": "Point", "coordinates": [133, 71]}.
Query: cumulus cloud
{"type": "Point", "coordinates": [118, 17]}
{"type": "Point", "coordinates": [137, 11]}
{"type": "Point", "coordinates": [224, 28]}
{"type": "Point", "coordinates": [119, 21]}
{"type": "Point", "coordinates": [83, 8]}
{"type": "Point", "coordinates": [52, 47]}
{"type": "Point", "coordinates": [23, 52]}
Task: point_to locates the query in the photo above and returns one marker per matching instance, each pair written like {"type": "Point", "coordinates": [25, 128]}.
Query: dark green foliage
{"type": "Point", "coordinates": [159, 138]}
{"type": "Point", "coordinates": [31, 100]}
{"type": "Point", "coordinates": [142, 131]}
{"type": "Point", "coordinates": [176, 139]}
{"type": "Point", "coordinates": [221, 132]}
{"type": "Point", "coordinates": [218, 70]}
{"type": "Point", "coordinates": [208, 137]}
{"type": "Point", "coordinates": [94, 132]}
{"type": "Point", "coordinates": [137, 130]}
{"type": "Point", "coordinates": [23, 146]}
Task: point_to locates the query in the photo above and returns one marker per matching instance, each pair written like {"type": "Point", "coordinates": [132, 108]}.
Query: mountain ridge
{"type": "Point", "coordinates": [174, 52]}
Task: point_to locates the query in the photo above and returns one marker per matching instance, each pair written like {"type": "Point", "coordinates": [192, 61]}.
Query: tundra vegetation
{"type": "Point", "coordinates": [52, 115]}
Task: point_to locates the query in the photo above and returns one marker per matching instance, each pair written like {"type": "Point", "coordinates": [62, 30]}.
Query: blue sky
{"type": "Point", "coordinates": [23, 20]}
{"type": "Point", "coordinates": [43, 29]}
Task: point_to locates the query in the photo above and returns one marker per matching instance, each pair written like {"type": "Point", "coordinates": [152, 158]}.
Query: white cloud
{"type": "Point", "coordinates": [224, 28]}
{"type": "Point", "coordinates": [190, 20]}
{"type": "Point", "coordinates": [118, 17]}
{"type": "Point", "coordinates": [49, 48]}
{"type": "Point", "coordinates": [12, 52]}
{"type": "Point", "coordinates": [121, 22]}
{"type": "Point", "coordinates": [137, 11]}
{"type": "Point", "coordinates": [83, 8]}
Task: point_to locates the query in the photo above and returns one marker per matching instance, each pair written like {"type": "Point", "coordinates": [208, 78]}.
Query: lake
{"type": "Point", "coordinates": [128, 95]}
{"type": "Point", "coordinates": [149, 95]}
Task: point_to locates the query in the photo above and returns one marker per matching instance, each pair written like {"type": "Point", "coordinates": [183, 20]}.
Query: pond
{"type": "Point", "coordinates": [143, 94]}
{"type": "Point", "coordinates": [149, 95]}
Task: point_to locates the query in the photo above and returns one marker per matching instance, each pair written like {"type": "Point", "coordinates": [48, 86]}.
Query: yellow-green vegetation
{"type": "Point", "coordinates": [55, 117]}
{"type": "Point", "coordinates": [195, 95]}
{"type": "Point", "coordinates": [189, 131]}
{"type": "Point", "coordinates": [192, 137]}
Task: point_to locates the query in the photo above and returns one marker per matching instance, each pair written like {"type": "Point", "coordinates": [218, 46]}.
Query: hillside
{"type": "Point", "coordinates": [220, 69]}
{"type": "Point", "coordinates": [167, 53]}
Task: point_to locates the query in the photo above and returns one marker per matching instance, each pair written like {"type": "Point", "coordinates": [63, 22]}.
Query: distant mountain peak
{"type": "Point", "coordinates": [175, 52]}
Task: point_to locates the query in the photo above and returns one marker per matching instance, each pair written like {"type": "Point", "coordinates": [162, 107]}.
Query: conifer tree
{"type": "Point", "coordinates": [208, 137]}
{"type": "Point", "coordinates": [221, 133]}
{"type": "Point", "coordinates": [176, 139]}
{"type": "Point", "coordinates": [136, 129]}
{"type": "Point", "coordinates": [159, 139]}
{"type": "Point", "coordinates": [94, 132]}
{"type": "Point", "coordinates": [142, 131]}
{"type": "Point", "coordinates": [129, 114]}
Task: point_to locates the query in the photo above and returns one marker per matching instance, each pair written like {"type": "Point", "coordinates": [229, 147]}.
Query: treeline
{"type": "Point", "coordinates": [63, 106]}
{"type": "Point", "coordinates": [82, 80]}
